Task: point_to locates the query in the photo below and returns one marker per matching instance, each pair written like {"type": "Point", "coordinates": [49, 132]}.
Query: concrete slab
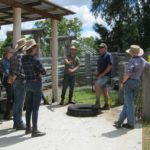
{"type": "Point", "coordinates": [70, 133]}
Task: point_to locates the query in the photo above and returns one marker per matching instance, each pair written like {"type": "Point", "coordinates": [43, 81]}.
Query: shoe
{"type": "Point", "coordinates": [45, 103]}
{"type": "Point", "coordinates": [7, 117]}
{"type": "Point", "coordinates": [127, 126]}
{"type": "Point", "coordinates": [14, 126]}
{"type": "Point", "coordinates": [37, 133]}
{"type": "Point", "coordinates": [105, 107]}
{"type": "Point", "coordinates": [28, 131]}
{"type": "Point", "coordinates": [71, 102]}
{"type": "Point", "coordinates": [117, 124]}
{"type": "Point", "coordinates": [61, 103]}
{"type": "Point", "coordinates": [22, 127]}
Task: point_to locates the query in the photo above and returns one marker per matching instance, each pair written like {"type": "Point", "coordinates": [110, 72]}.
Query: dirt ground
{"type": "Point", "coordinates": [71, 133]}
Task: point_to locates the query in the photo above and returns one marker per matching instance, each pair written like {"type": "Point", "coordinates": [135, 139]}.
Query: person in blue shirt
{"type": "Point", "coordinates": [103, 73]}
{"type": "Point", "coordinates": [9, 87]}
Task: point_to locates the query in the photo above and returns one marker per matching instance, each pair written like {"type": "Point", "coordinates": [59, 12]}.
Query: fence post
{"type": "Point", "coordinates": [146, 93]}
{"type": "Point", "coordinates": [87, 69]}
{"type": "Point", "coordinates": [121, 70]}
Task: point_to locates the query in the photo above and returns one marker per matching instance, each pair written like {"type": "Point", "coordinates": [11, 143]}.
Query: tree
{"type": "Point", "coordinates": [129, 21]}
{"type": "Point", "coordinates": [66, 27]}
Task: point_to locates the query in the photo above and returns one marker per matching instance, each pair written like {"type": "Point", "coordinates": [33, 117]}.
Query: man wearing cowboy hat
{"type": "Point", "coordinates": [130, 83]}
{"type": "Point", "coordinates": [33, 70]}
{"type": "Point", "coordinates": [72, 63]}
{"type": "Point", "coordinates": [17, 78]}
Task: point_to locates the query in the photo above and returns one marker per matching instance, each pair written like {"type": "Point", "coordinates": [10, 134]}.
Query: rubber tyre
{"type": "Point", "coordinates": [82, 110]}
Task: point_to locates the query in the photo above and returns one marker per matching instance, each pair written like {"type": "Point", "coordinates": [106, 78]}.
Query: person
{"type": "Point", "coordinates": [131, 82]}
{"type": "Point", "coordinates": [72, 64]}
{"type": "Point", "coordinates": [17, 78]}
{"type": "Point", "coordinates": [33, 70]}
{"type": "Point", "coordinates": [9, 87]}
{"type": "Point", "coordinates": [104, 68]}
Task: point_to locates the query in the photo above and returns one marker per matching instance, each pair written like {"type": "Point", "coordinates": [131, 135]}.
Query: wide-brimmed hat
{"type": "Point", "coordinates": [73, 47]}
{"type": "Point", "coordinates": [20, 43]}
{"type": "Point", "coordinates": [29, 44]}
{"type": "Point", "coordinates": [135, 50]}
{"type": "Point", "coordinates": [103, 45]}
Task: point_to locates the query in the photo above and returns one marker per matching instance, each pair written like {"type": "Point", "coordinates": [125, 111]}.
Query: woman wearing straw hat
{"type": "Point", "coordinates": [17, 78]}
{"type": "Point", "coordinates": [9, 87]}
{"type": "Point", "coordinates": [33, 70]}
{"type": "Point", "coordinates": [130, 83]}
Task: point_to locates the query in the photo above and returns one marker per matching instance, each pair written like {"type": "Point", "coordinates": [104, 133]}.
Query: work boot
{"type": "Point", "coordinates": [36, 133]}
{"type": "Point", "coordinates": [62, 102]}
{"type": "Point", "coordinates": [28, 129]}
{"type": "Point", "coordinates": [127, 126]}
{"type": "Point", "coordinates": [21, 127]}
{"type": "Point", "coordinates": [117, 124]}
{"type": "Point", "coordinates": [105, 107]}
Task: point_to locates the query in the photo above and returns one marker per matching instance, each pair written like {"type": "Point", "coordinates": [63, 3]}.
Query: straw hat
{"type": "Point", "coordinates": [20, 43]}
{"type": "Point", "coordinates": [73, 47]}
{"type": "Point", "coordinates": [135, 50]}
{"type": "Point", "coordinates": [29, 44]}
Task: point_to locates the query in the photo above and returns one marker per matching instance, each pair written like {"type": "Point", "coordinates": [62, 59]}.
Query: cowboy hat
{"type": "Point", "coordinates": [135, 50]}
{"type": "Point", "coordinates": [29, 44]}
{"type": "Point", "coordinates": [20, 43]}
{"type": "Point", "coordinates": [73, 47]}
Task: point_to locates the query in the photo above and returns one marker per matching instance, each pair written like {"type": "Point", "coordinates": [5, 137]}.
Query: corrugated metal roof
{"type": "Point", "coordinates": [54, 10]}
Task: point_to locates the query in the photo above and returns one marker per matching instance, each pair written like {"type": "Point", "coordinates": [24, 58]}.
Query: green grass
{"type": "Point", "coordinates": [146, 135]}
{"type": "Point", "coordinates": [86, 96]}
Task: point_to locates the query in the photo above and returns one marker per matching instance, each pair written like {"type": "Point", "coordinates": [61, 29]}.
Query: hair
{"type": "Point", "coordinates": [6, 52]}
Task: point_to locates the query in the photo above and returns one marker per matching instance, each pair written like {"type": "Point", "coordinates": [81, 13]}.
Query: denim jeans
{"type": "Point", "coordinates": [68, 81]}
{"type": "Point", "coordinates": [10, 96]}
{"type": "Point", "coordinates": [33, 100]}
{"type": "Point", "coordinates": [130, 91]}
{"type": "Point", "coordinates": [19, 98]}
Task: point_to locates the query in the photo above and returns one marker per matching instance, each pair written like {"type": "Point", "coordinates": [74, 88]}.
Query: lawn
{"type": "Point", "coordinates": [86, 96]}
{"type": "Point", "coordinates": [146, 135]}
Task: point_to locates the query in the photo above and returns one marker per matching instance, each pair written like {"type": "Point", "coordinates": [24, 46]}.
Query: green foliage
{"type": "Point", "coordinates": [66, 27]}
{"type": "Point", "coordinates": [129, 21]}
{"type": "Point", "coordinates": [4, 45]}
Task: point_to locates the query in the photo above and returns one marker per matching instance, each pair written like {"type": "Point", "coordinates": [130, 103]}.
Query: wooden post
{"type": "Point", "coordinates": [16, 25]}
{"type": "Point", "coordinates": [146, 93]}
{"type": "Point", "coordinates": [54, 47]}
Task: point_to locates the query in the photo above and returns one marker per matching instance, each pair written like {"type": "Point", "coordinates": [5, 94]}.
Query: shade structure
{"type": "Point", "coordinates": [31, 10]}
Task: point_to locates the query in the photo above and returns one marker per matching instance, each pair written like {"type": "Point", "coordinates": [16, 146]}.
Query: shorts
{"type": "Point", "coordinates": [103, 82]}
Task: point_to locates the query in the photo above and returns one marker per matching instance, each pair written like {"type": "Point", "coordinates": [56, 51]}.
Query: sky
{"type": "Point", "coordinates": [82, 10]}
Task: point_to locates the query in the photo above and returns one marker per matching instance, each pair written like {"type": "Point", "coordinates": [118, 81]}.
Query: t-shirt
{"type": "Point", "coordinates": [75, 61]}
{"type": "Point", "coordinates": [103, 62]}
{"type": "Point", "coordinates": [136, 66]}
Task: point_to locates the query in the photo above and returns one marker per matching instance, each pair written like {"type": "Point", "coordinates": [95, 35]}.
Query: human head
{"type": "Point", "coordinates": [135, 50]}
{"type": "Point", "coordinates": [31, 48]}
{"type": "Point", "coordinates": [20, 44]}
{"type": "Point", "coordinates": [73, 50]}
{"type": "Point", "coordinates": [8, 52]}
{"type": "Point", "coordinates": [103, 48]}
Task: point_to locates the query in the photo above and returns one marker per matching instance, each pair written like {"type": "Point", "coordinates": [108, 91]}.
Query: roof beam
{"type": "Point", "coordinates": [26, 7]}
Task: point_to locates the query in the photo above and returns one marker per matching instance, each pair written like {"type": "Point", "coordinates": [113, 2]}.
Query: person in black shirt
{"type": "Point", "coordinates": [103, 73]}
{"type": "Point", "coordinates": [33, 70]}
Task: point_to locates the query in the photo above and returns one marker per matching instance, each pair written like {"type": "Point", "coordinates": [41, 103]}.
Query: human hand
{"type": "Point", "coordinates": [71, 70]}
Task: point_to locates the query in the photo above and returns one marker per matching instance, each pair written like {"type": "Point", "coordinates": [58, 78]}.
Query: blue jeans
{"type": "Point", "coordinates": [68, 81]}
{"type": "Point", "coordinates": [33, 100]}
{"type": "Point", "coordinates": [19, 98]}
{"type": "Point", "coordinates": [130, 91]}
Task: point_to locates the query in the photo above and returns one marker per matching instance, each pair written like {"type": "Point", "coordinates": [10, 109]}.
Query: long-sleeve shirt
{"type": "Point", "coordinates": [6, 67]}
{"type": "Point", "coordinates": [136, 67]}
{"type": "Point", "coordinates": [33, 69]}
{"type": "Point", "coordinates": [16, 65]}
